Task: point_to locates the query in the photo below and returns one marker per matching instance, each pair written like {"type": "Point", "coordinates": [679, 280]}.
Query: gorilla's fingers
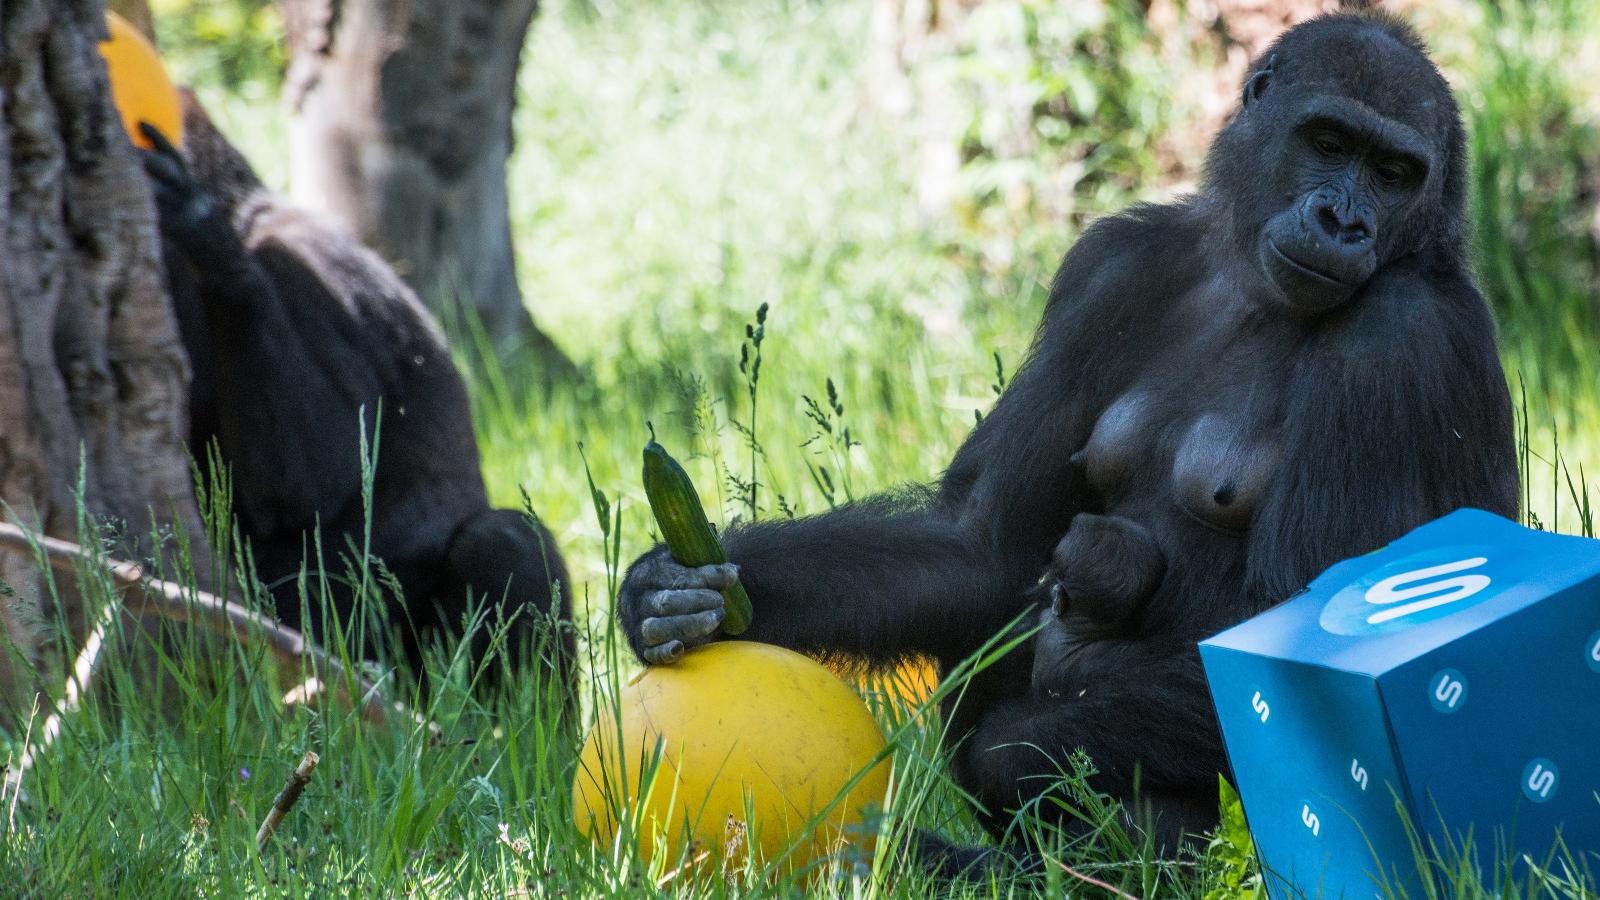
{"type": "Point", "coordinates": [160, 143]}
{"type": "Point", "coordinates": [159, 167]}
{"type": "Point", "coordinates": [721, 577]}
{"type": "Point", "coordinates": [664, 655]}
{"type": "Point", "coordinates": [681, 602]}
{"type": "Point", "coordinates": [671, 575]}
{"type": "Point", "coordinates": [664, 629]}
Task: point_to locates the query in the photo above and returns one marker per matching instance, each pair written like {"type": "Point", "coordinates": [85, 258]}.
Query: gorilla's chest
{"type": "Point", "coordinates": [1204, 445]}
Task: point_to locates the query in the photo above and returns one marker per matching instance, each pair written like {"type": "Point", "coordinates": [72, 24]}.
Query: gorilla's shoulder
{"type": "Point", "coordinates": [1131, 253]}
{"type": "Point", "coordinates": [1430, 292]}
{"type": "Point", "coordinates": [331, 271]}
{"type": "Point", "coordinates": [1147, 230]}
{"type": "Point", "coordinates": [1433, 311]}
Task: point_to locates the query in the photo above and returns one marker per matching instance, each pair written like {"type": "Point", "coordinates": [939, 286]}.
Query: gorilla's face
{"type": "Point", "coordinates": [1348, 177]}
{"type": "Point", "coordinates": [1343, 158]}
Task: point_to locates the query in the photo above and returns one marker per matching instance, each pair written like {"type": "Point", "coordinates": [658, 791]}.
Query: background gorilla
{"type": "Point", "coordinates": [292, 328]}
{"type": "Point", "coordinates": [1226, 394]}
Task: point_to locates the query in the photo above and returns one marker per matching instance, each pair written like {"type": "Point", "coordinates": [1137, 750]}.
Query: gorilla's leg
{"type": "Point", "coordinates": [1149, 705]}
{"type": "Point", "coordinates": [502, 557]}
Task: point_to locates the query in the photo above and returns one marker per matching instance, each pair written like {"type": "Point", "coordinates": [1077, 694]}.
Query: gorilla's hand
{"type": "Point", "coordinates": [1105, 570]}
{"type": "Point", "coordinates": [667, 608]}
{"type": "Point", "coordinates": [190, 215]}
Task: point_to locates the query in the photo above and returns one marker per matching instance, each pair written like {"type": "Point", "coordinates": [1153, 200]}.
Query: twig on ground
{"type": "Point", "coordinates": [27, 735]}
{"type": "Point", "coordinates": [286, 799]}
{"type": "Point", "coordinates": [1090, 879]}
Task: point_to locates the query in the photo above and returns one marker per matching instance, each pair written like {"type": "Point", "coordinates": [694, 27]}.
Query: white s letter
{"type": "Point", "coordinates": [1389, 590]}
{"type": "Point", "coordinates": [1260, 706]}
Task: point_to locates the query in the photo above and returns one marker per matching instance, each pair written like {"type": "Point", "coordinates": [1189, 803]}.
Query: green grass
{"type": "Point", "coordinates": [679, 165]}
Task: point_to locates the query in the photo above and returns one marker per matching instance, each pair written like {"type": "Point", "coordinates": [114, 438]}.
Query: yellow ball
{"type": "Point", "coordinates": [911, 683]}
{"type": "Point", "coordinates": [755, 740]}
{"type": "Point", "coordinates": [140, 87]}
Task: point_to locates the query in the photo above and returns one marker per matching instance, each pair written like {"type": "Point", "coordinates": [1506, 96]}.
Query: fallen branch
{"type": "Point", "coordinates": [16, 793]}
{"type": "Point", "coordinates": [286, 799]}
{"type": "Point", "coordinates": [176, 603]}
{"type": "Point", "coordinates": [173, 602]}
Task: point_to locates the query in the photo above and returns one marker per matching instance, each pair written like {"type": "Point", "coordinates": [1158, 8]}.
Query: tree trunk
{"type": "Point", "coordinates": [401, 129]}
{"type": "Point", "coordinates": [93, 379]}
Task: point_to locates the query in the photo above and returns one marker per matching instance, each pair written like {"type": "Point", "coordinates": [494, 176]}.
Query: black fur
{"type": "Point", "coordinates": [293, 329]}
{"type": "Point", "coordinates": [1248, 425]}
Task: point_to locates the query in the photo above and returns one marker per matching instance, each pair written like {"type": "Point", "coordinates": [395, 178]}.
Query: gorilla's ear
{"type": "Point", "coordinates": [1256, 84]}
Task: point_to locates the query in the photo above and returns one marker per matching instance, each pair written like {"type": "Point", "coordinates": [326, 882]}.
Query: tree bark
{"type": "Point", "coordinates": [401, 128]}
{"type": "Point", "coordinates": [93, 378]}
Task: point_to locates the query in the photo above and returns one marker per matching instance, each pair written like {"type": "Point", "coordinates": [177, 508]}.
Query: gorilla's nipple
{"type": "Point", "coordinates": [1224, 493]}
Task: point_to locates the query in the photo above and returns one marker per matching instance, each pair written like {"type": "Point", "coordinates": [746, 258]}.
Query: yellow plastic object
{"type": "Point", "coordinates": [140, 87]}
{"type": "Point", "coordinates": [755, 740]}
{"type": "Point", "coordinates": [912, 682]}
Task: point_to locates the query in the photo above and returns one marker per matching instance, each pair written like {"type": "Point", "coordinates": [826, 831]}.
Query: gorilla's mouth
{"type": "Point", "coordinates": [1302, 267]}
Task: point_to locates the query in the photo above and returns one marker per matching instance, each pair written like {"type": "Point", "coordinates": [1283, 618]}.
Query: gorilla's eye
{"type": "Point", "coordinates": [1391, 172]}
{"type": "Point", "coordinates": [1327, 144]}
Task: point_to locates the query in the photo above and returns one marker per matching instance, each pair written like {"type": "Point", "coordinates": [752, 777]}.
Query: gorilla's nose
{"type": "Point", "coordinates": [1349, 229]}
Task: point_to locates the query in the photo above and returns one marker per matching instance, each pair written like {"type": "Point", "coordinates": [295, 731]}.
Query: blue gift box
{"type": "Point", "coordinates": [1449, 683]}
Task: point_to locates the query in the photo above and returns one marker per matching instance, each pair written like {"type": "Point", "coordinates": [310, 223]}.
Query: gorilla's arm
{"type": "Point", "coordinates": [285, 484]}
{"type": "Point", "coordinates": [896, 575]}
{"type": "Point", "coordinates": [878, 582]}
{"type": "Point", "coordinates": [1397, 417]}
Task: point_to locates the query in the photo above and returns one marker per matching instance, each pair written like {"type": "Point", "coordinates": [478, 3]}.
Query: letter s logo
{"type": "Point", "coordinates": [1540, 779]}
{"type": "Point", "coordinates": [1438, 593]}
{"type": "Point", "coordinates": [1261, 707]}
{"type": "Point", "coordinates": [1358, 774]}
{"type": "Point", "coordinates": [1311, 821]}
{"type": "Point", "coordinates": [1591, 652]}
{"type": "Point", "coordinates": [1447, 690]}
{"type": "Point", "coordinates": [1422, 587]}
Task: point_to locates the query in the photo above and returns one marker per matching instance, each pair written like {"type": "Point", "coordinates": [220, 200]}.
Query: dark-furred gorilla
{"type": "Point", "coordinates": [1226, 394]}
{"type": "Point", "coordinates": [295, 331]}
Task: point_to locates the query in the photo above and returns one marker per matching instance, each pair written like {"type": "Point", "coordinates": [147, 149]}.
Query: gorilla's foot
{"type": "Point", "coordinates": [952, 862]}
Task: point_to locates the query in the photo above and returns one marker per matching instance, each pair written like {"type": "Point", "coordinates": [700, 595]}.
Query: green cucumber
{"type": "Point", "coordinates": [683, 525]}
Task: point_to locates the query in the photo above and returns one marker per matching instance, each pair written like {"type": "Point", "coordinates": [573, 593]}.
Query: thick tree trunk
{"type": "Point", "coordinates": [402, 128]}
{"type": "Point", "coordinates": [92, 373]}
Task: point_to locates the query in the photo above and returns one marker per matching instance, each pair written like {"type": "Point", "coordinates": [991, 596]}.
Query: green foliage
{"type": "Point", "coordinates": [1232, 851]}
{"type": "Point", "coordinates": [1064, 102]}
{"type": "Point", "coordinates": [237, 45]}
{"type": "Point", "coordinates": [1534, 126]}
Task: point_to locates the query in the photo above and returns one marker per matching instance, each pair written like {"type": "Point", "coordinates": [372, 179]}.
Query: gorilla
{"type": "Point", "coordinates": [1227, 393]}
{"type": "Point", "coordinates": [295, 333]}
